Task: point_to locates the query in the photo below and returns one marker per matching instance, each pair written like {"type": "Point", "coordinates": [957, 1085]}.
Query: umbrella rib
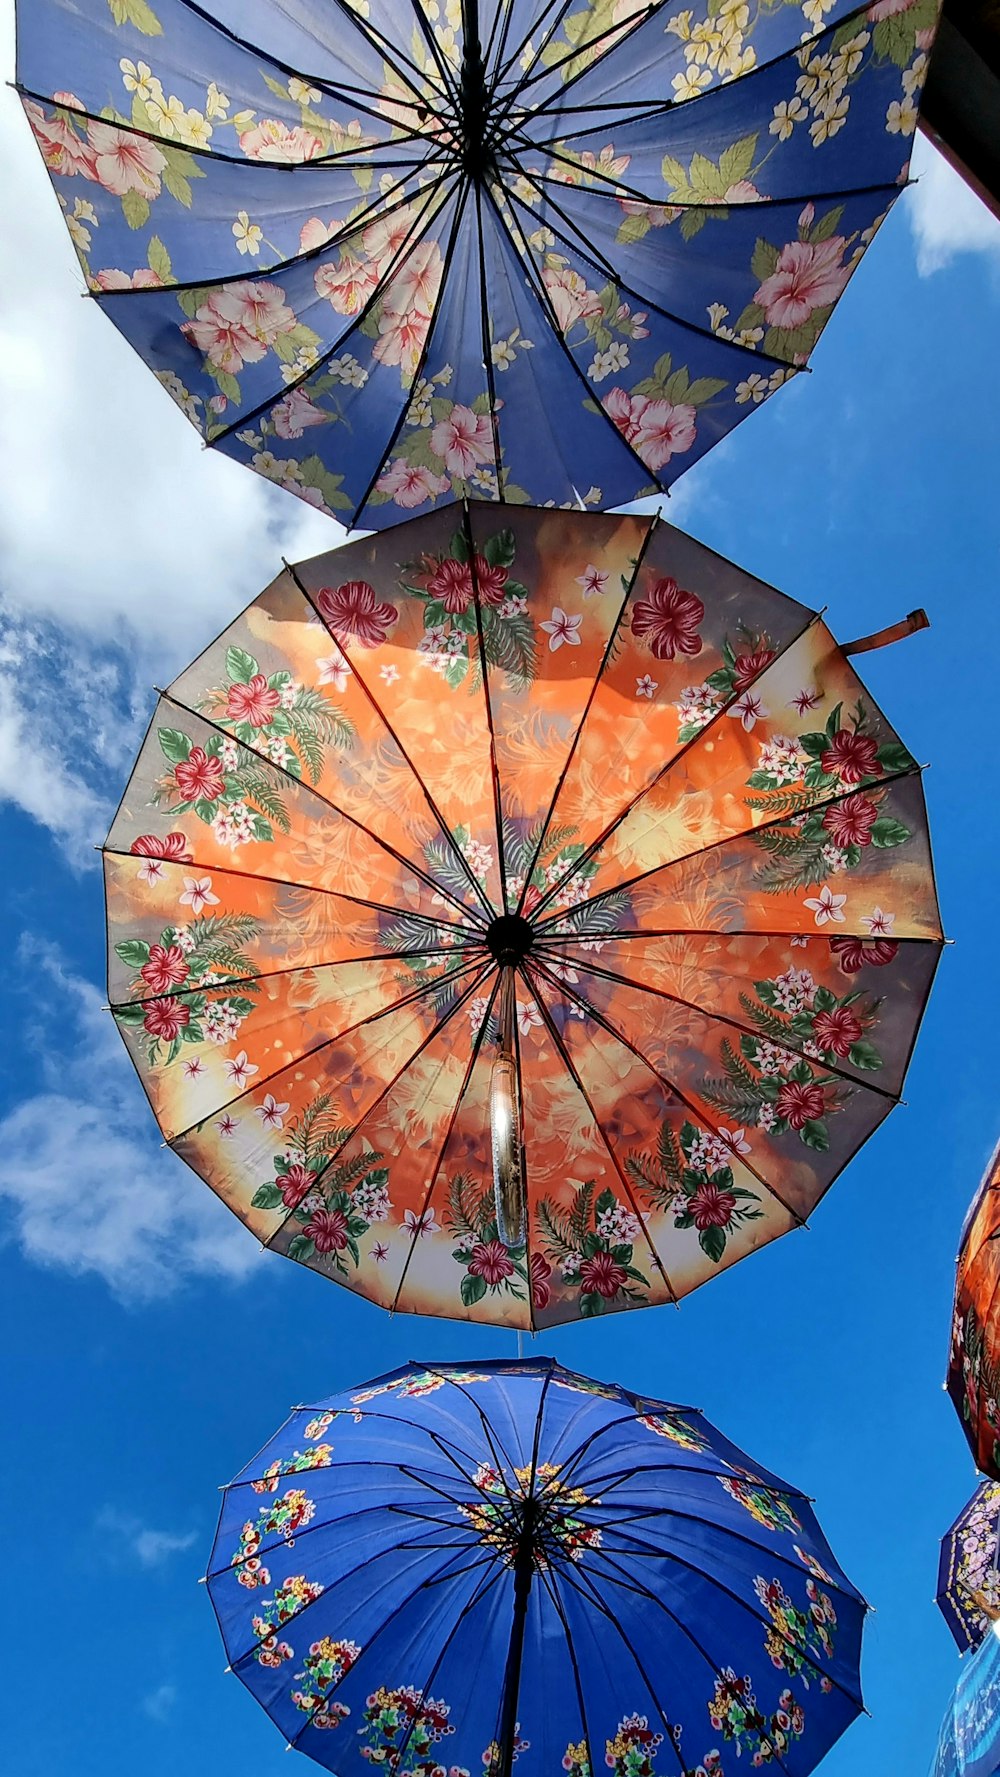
{"type": "Point", "coordinates": [470, 1604]}
{"type": "Point", "coordinates": [822, 801]}
{"type": "Point", "coordinates": [461, 193]}
{"type": "Point", "coordinates": [310, 790]}
{"type": "Point", "coordinates": [545, 303]}
{"type": "Point", "coordinates": [321, 1524]}
{"type": "Point", "coordinates": [491, 387]}
{"type": "Point", "coordinates": [363, 28]}
{"type": "Point", "coordinates": [653, 1552]}
{"type": "Point", "coordinates": [483, 664]}
{"type": "Point", "coordinates": [390, 1084]}
{"type": "Point", "coordinates": [473, 1058]}
{"type": "Point", "coordinates": [427, 215]}
{"type": "Point", "coordinates": [709, 729]}
{"type": "Point", "coordinates": [497, 1451]}
{"type": "Point", "coordinates": [669, 1727]}
{"type": "Point", "coordinates": [598, 1125]}
{"type": "Point", "coordinates": [674, 1090]}
{"type": "Point", "coordinates": [618, 34]}
{"type": "Point", "coordinates": [502, 68]}
{"type": "Point", "coordinates": [379, 208]}
{"type": "Point", "coordinates": [800, 1646]}
{"type": "Point", "coordinates": [472, 931]}
{"type": "Point", "coordinates": [338, 157]}
{"type": "Point", "coordinates": [674, 999]}
{"type": "Point", "coordinates": [424, 991]}
{"type": "Point", "coordinates": [590, 252]}
{"type": "Point", "coordinates": [591, 1595]}
{"type": "Point", "coordinates": [598, 676]}
{"type": "Point", "coordinates": [454, 847]}
{"type": "Point", "coordinates": [227, 982]}
{"type": "Point", "coordinates": [762, 68]}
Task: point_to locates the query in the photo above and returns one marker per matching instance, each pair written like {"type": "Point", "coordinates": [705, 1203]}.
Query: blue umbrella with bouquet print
{"type": "Point", "coordinates": [453, 1569]}
{"type": "Point", "coordinates": [394, 252]}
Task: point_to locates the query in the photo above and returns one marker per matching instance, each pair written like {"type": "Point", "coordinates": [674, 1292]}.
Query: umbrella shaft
{"type": "Point", "coordinates": [523, 1570]}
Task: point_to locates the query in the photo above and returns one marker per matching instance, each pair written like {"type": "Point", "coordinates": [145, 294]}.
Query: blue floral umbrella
{"type": "Point", "coordinates": [968, 1578]}
{"type": "Point", "coordinates": [395, 252]}
{"type": "Point", "coordinates": [450, 1570]}
{"type": "Point", "coordinates": [969, 1742]}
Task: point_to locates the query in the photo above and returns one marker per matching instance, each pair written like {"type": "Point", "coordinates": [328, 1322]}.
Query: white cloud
{"type": "Point", "coordinates": [158, 1704]}
{"type": "Point", "coordinates": [112, 516]}
{"type": "Point", "coordinates": [89, 1188]}
{"type": "Point", "coordinates": [946, 217]}
{"type": "Point", "coordinates": [127, 1537]}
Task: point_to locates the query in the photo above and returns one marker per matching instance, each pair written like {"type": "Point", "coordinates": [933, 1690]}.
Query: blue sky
{"type": "Point", "coordinates": [149, 1350]}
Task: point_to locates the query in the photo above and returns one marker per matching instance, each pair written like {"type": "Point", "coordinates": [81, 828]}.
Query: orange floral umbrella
{"type": "Point", "coordinates": [521, 920]}
{"type": "Point", "coordinates": [974, 1364]}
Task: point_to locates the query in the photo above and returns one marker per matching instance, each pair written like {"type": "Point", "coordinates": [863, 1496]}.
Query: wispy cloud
{"type": "Point", "coordinates": [128, 1538]}
{"type": "Point", "coordinates": [87, 1185]}
{"type": "Point", "coordinates": [158, 1704]}
{"type": "Point", "coordinates": [946, 217]}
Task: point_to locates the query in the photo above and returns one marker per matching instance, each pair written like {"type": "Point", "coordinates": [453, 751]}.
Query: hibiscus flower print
{"type": "Point", "coordinates": [355, 609]}
{"type": "Point", "coordinates": [807, 277]}
{"type": "Point", "coordinates": [667, 619]}
{"type": "Point", "coordinates": [199, 778]}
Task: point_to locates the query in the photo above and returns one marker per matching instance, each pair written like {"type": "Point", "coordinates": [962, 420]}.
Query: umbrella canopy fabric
{"type": "Point", "coordinates": [968, 1581]}
{"type": "Point", "coordinates": [570, 822]}
{"type": "Point", "coordinates": [969, 1743]}
{"type": "Point", "coordinates": [974, 1362]}
{"type": "Point", "coordinates": [388, 255]}
{"type": "Point", "coordinates": [453, 1568]}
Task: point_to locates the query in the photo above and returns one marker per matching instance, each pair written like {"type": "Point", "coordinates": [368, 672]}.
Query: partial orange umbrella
{"type": "Point", "coordinates": [522, 915]}
{"type": "Point", "coordinates": [974, 1362]}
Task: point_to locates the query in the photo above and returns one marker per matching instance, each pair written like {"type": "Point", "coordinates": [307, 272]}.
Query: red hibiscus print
{"type": "Point", "coordinates": [294, 1184]}
{"type": "Point", "coordinates": [667, 620]}
{"type": "Point", "coordinates": [854, 953]}
{"type": "Point", "coordinates": [490, 581]}
{"type": "Point", "coordinates": [165, 969]}
{"type": "Point", "coordinates": [166, 1019]}
{"type": "Point", "coordinates": [539, 1272]}
{"type": "Point", "coordinates": [850, 822]}
{"type": "Point", "coordinates": [851, 757]}
{"type": "Point", "coordinates": [173, 846]}
{"type": "Point", "coordinates": [747, 667]}
{"type": "Point", "coordinates": [199, 778]}
{"type": "Point", "coordinates": [355, 609]}
{"type": "Point", "coordinates": [837, 1030]}
{"type": "Point", "coordinates": [451, 582]}
{"type": "Point", "coordinates": [491, 1261]}
{"type": "Point", "coordinates": [800, 1102]}
{"type": "Point", "coordinates": [328, 1230]}
{"type": "Point", "coordinates": [710, 1207]}
{"type": "Point", "coordinates": [254, 702]}
{"type": "Point", "coordinates": [601, 1276]}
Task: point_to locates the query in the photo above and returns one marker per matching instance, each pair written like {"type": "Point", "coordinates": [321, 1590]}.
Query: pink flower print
{"type": "Point", "coordinates": [808, 276]}
{"type": "Point", "coordinates": [748, 709]}
{"type": "Point", "coordinates": [239, 1069]}
{"type": "Point", "coordinates": [226, 1125]}
{"type": "Point", "coordinates": [272, 140]}
{"type": "Point", "coordinates": [295, 412]}
{"type": "Point", "coordinates": [879, 924]}
{"type": "Point", "coordinates": [62, 149]}
{"type": "Point", "coordinates": [124, 162]}
{"type": "Point", "coordinates": [826, 906]}
{"type": "Point", "coordinates": [464, 441]}
{"type": "Point", "coordinates": [562, 628]}
{"type": "Point", "coordinates": [347, 286]}
{"type": "Point", "coordinates": [662, 431]}
{"type": "Point", "coordinates": [571, 299]}
{"type": "Point", "coordinates": [410, 485]}
{"type": "Point", "coordinates": [419, 1225]}
{"type": "Point", "coordinates": [593, 580]}
{"type": "Point", "coordinates": [354, 609]}
{"type": "Point", "coordinates": [271, 1113]}
{"type": "Point", "coordinates": [645, 687]}
{"type": "Point", "coordinates": [198, 892]}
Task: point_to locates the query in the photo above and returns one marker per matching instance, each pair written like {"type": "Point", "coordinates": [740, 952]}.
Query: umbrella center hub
{"type": "Point", "coordinates": [474, 149]}
{"type": "Point", "coordinates": [509, 938]}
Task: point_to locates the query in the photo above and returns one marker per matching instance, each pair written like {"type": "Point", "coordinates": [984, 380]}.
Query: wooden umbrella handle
{"type": "Point", "coordinates": [908, 626]}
